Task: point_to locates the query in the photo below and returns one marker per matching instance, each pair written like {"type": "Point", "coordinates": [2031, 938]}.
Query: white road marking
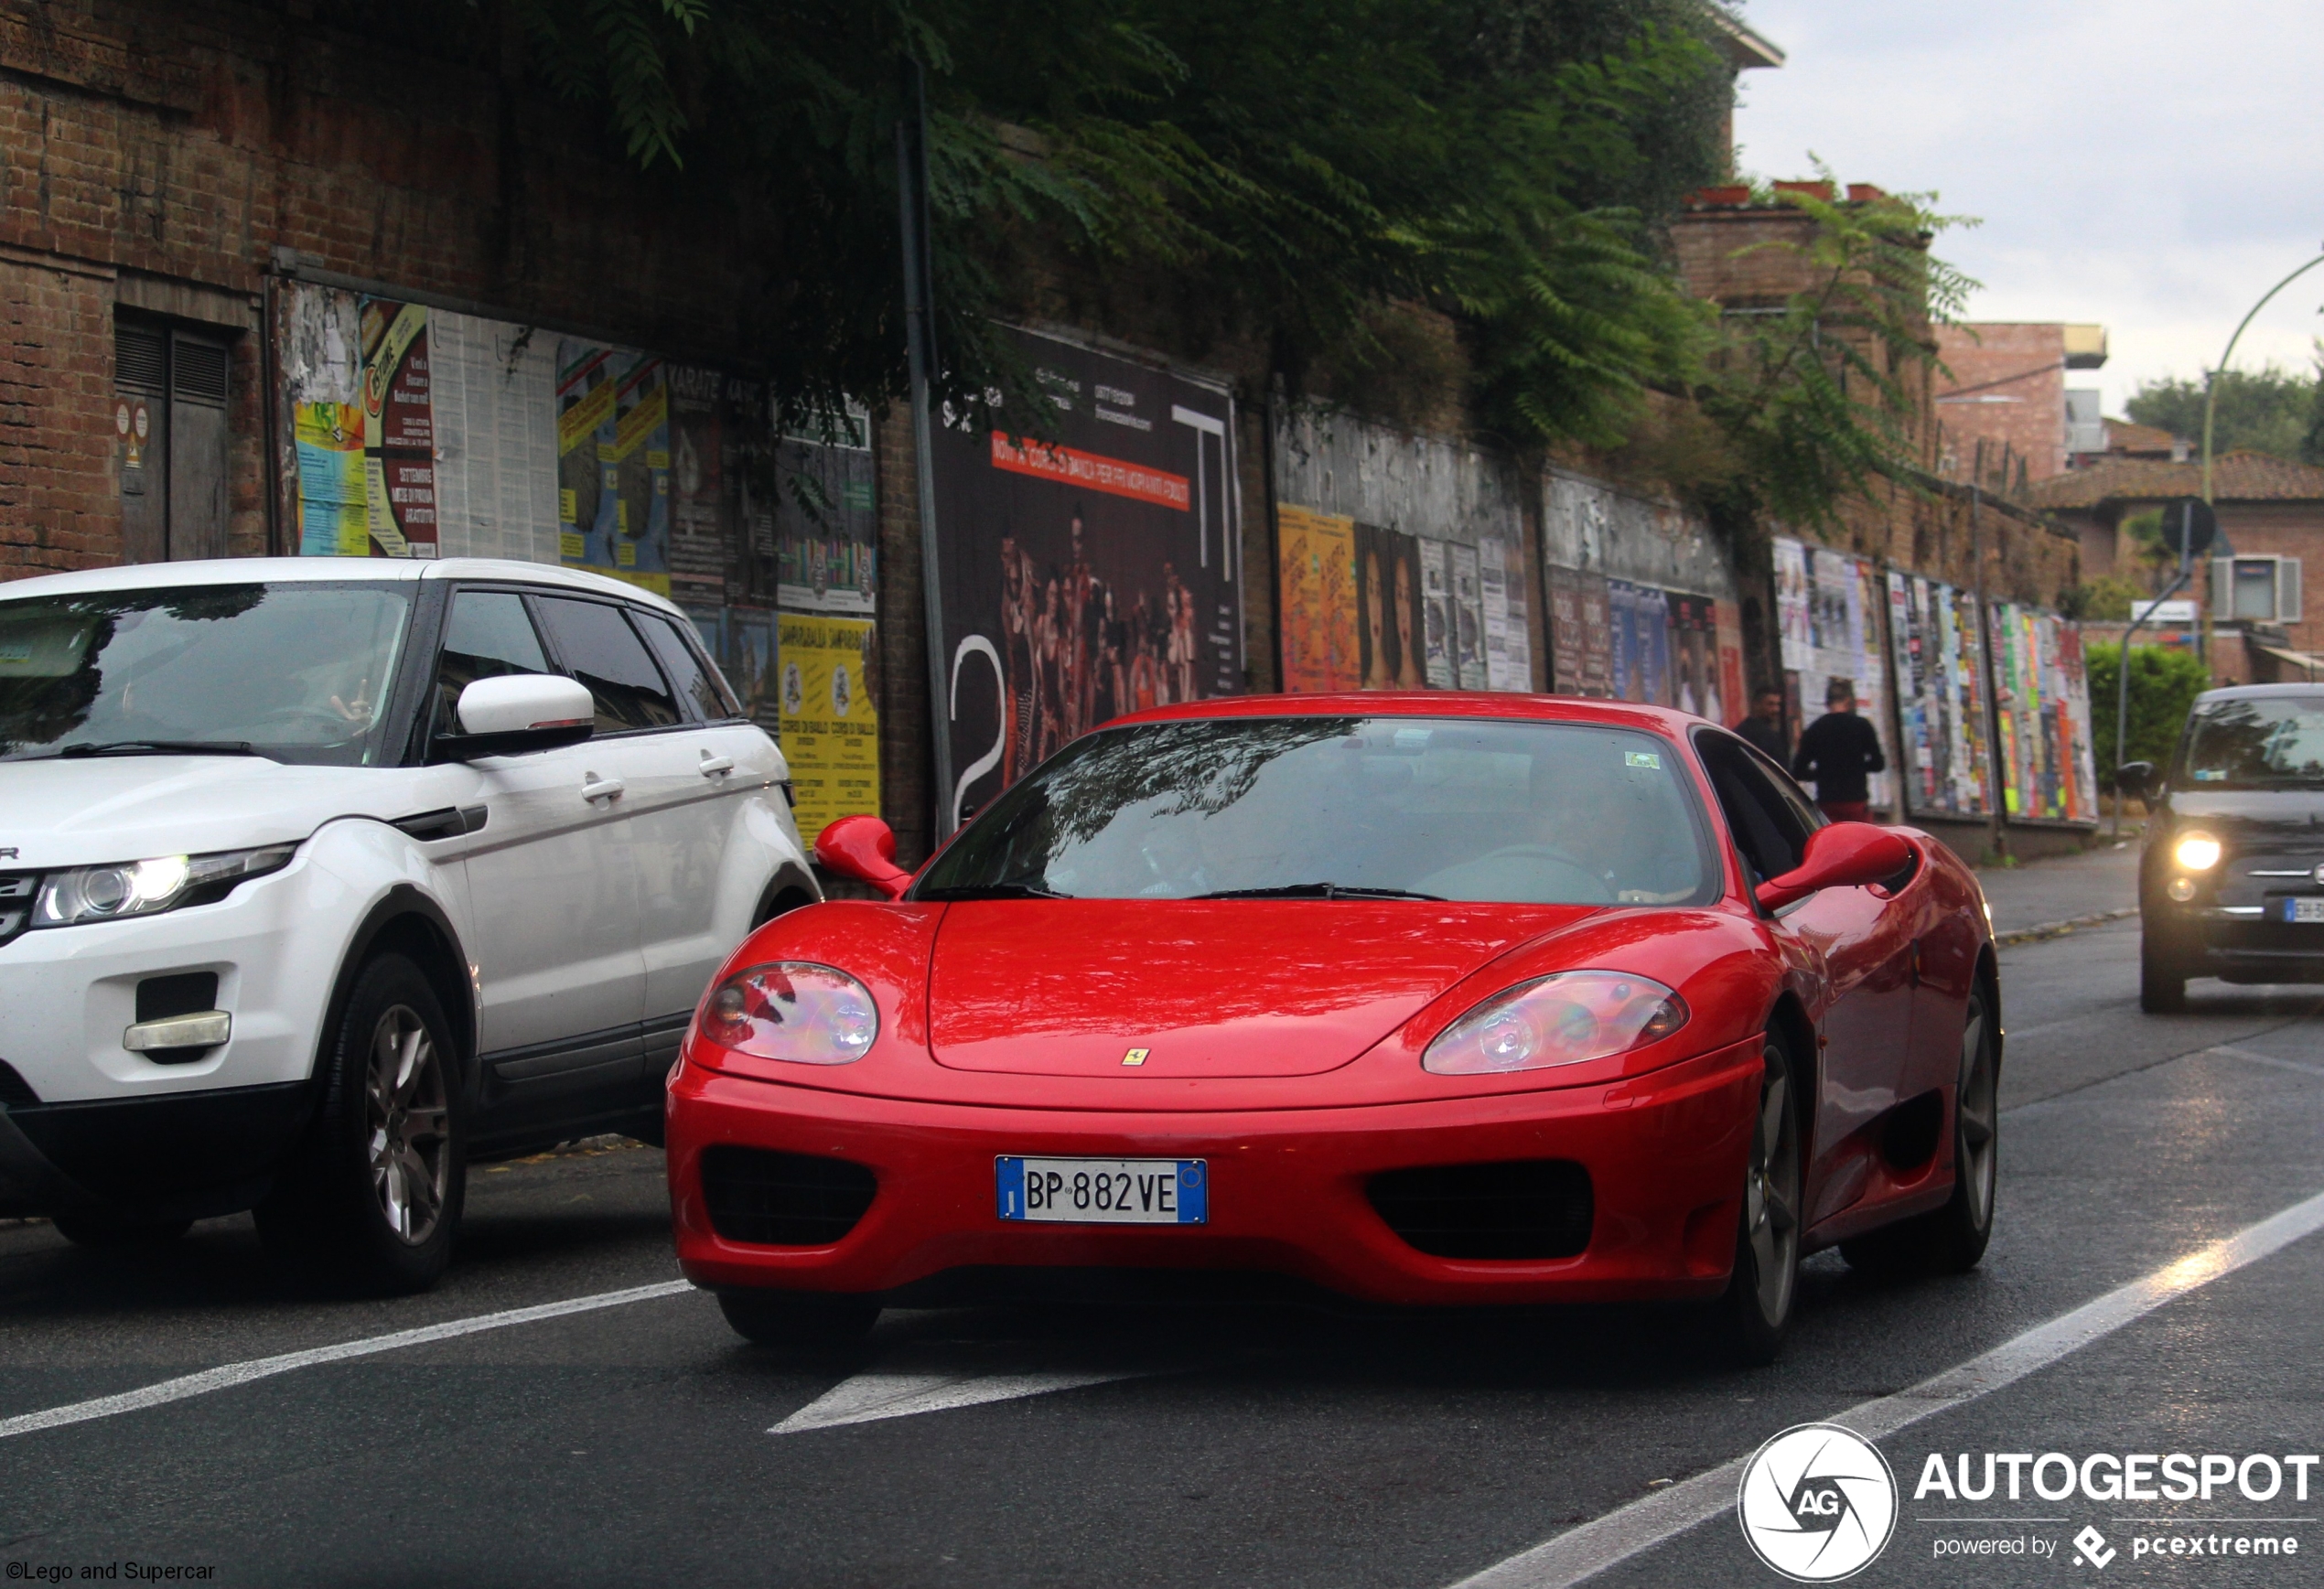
{"type": "Point", "coordinates": [1590, 1550]}
{"type": "Point", "coordinates": [868, 1398]}
{"type": "Point", "coordinates": [2232, 1052]}
{"type": "Point", "coordinates": [227, 1376]}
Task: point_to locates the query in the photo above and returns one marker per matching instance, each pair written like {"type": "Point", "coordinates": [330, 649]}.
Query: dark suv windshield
{"type": "Point", "coordinates": [1316, 807]}
{"type": "Point", "coordinates": [2256, 743]}
{"type": "Point", "coordinates": [297, 672]}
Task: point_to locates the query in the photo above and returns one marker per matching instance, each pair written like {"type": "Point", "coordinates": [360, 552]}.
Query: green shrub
{"type": "Point", "coordinates": [2164, 683]}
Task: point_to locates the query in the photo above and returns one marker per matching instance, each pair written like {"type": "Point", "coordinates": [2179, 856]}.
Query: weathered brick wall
{"type": "Point", "coordinates": [159, 146]}
{"type": "Point", "coordinates": [2012, 381]}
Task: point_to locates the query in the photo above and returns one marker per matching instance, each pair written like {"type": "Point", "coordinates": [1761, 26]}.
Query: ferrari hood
{"type": "Point", "coordinates": [1204, 988]}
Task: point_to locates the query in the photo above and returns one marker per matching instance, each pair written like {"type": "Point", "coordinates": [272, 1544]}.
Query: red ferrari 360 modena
{"type": "Point", "coordinates": [1417, 999]}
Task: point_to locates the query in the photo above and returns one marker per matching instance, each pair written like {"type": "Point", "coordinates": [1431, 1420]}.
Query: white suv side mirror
{"type": "Point", "coordinates": [516, 712]}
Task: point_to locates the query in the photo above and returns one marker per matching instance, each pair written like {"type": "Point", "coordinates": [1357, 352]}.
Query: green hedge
{"type": "Point", "coordinates": [2164, 683]}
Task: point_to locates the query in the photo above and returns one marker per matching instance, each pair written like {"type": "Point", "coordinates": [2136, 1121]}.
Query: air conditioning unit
{"type": "Point", "coordinates": [2085, 427]}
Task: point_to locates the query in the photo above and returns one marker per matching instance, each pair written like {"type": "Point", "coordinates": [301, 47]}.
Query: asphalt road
{"type": "Point", "coordinates": [642, 1442]}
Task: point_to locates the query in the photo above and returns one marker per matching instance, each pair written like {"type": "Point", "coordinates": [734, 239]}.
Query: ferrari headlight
{"type": "Point", "coordinates": [794, 1010]}
{"type": "Point", "coordinates": [146, 887]}
{"type": "Point", "coordinates": [2197, 851]}
{"type": "Point", "coordinates": [1567, 1018]}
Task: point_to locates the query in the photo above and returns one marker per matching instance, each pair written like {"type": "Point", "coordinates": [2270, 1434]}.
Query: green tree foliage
{"type": "Point", "coordinates": [2271, 411]}
{"type": "Point", "coordinates": [2164, 683]}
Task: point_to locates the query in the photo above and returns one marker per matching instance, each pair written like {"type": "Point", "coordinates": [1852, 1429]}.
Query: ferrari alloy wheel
{"type": "Point", "coordinates": [2162, 979]}
{"type": "Point", "coordinates": [1755, 1315]}
{"type": "Point", "coordinates": [372, 1199]}
{"type": "Point", "coordinates": [800, 1320]}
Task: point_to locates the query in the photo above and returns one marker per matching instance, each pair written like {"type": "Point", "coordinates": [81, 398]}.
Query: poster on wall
{"type": "Point", "coordinates": [1509, 652]}
{"type": "Point", "coordinates": [1316, 601]}
{"type": "Point", "coordinates": [399, 430]}
{"type": "Point", "coordinates": [613, 463]}
{"type": "Point", "coordinates": [1940, 695]}
{"type": "Point", "coordinates": [1091, 574]}
{"type": "Point", "coordinates": [698, 551]}
{"type": "Point", "coordinates": [334, 494]}
{"type": "Point", "coordinates": [1726, 622]}
{"type": "Point", "coordinates": [1695, 668]}
{"type": "Point", "coordinates": [826, 529]}
{"type": "Point", "coordinates": [2041, 706]}
{"type": "Point", "coordinates": [1828, 611]}
{"type": "Point", "coordinates": [1388, 594]}
{"type": "Point", "coordinates": [830, 710]}
{"type": "Point", "coordinates": [1437, 622]}
{"type": "Point", "coordinates": [1468, 616]}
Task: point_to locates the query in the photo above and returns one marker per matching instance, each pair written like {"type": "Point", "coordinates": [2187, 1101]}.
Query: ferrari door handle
{"type": "Point", "coordinates": [594, 788]}
{"type": "Point", "coordinates": [711, 766]}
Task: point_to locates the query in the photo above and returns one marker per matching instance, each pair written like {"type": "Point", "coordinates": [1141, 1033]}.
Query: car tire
{"type": "Point", "coordinates": [800, 1320]}
{"type": "Point", "coordinates": [371, 1200]}
{"type": "Point", "coordinates": [1953, 1239]}
{"type": "Point", "coordinates": [1750, 1321]}
{"type": "Point", "coordinates": [105, 1232]}
{"type": "Point", "coordinates": [2162, 979]}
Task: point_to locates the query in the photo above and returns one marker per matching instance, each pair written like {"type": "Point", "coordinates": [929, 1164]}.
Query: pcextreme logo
{"type": "Point", "coordinates": [1817, 1503]}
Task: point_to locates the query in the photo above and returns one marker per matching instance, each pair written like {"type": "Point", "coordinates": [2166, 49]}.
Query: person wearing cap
{"type": "Point", "coordinates": [1763, 729]}
{"type": "Point", "coordinates": [1839, 753]}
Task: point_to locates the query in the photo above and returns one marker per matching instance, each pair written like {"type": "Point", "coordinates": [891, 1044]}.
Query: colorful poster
{"type": "Point", "coordinates": [1089, 575]}
{"type": "Point", "coordinates": [830, 707]}
{"type": "Point", "coordinates": [1728, 625]}
{"type": "Point", "coordinates": [1388, 594]}
{"type": "Point", "coordinates": [1829, 606]}
{"type": "Point", "coordinates": [1941, 692]}
{"type": "Point", "coordinates": [826, 529]}
{"type": "Point", "coordinates": [613, 467]}
{"type": "Point", "coordinates": [1316, 597]}
{"type": "Point", "coordinates": [1695, 684]}
{"type": "Point", "coordinates": [399, 430]}
{"type": "Point", "coordinates": [2041, 706]}
{"type": "Point", "coordinates": [334, 510]}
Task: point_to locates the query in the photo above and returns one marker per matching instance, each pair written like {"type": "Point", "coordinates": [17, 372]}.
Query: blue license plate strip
{"type": "Point", "coordinates": [1102, 1191]}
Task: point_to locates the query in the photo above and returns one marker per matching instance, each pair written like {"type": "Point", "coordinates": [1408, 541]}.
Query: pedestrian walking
{"type": "Point", "coordinates": [1839, 753]}
{"type": "Point", "coordinates": [1763, 729]}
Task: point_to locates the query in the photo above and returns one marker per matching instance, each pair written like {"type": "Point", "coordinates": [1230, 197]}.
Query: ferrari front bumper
{"type": "Point", "coordinates": [1665, 1155]}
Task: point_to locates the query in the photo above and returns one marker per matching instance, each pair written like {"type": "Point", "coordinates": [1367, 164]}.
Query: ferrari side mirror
{"type": "Point", "coordinates": [864, 848]}
{"type": "Point", "coordinates": [1843, 855]}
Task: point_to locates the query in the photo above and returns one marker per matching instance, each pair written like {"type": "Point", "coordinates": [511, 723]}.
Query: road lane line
{"type": "Point", "coordinates": [227, 1376]}
{"type": "Point", "coordinates": [2232, 1052]}
{"type": "Point", "coordinates": [869, 1398]}
{"type": "Point", "coordinates": [1586, 1551]}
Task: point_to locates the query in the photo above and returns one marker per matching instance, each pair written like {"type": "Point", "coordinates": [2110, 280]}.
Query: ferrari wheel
{"type": "Point", "coordinates": [1755, 1315]}
{"type": "Point", "coordinates": [2162, 981]}
{"type": "Point", "coordinates": [803, 1320]}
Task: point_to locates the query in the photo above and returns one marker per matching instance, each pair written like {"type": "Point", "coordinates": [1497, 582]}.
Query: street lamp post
{"type": "Point", "coordinates": [2211, 381]}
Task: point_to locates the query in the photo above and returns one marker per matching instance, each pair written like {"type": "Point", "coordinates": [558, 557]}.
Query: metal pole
{"type": "Point", "coordinates": [2211, 383]}
{"type": "Point", "coordinates": [919, 338]}
{"type": "Point", "coordinates": [2121, 681]}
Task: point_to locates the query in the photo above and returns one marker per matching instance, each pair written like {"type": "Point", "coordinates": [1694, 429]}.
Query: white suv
{"type": "Point", "coordinates": [321, 880]}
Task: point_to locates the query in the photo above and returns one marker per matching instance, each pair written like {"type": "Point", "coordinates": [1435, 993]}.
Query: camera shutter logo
{"type": "Point", "coordinates": [1817, 1503]}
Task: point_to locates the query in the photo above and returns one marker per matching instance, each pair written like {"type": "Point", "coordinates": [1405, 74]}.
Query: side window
{"type": "Point", "coordinates": [487, 636]}
{"type": "Point", "coordinates": [598, 648]}
{"type": "Point", "coordinates": [695, 682]}
{"type": "Point", "coordinates": [1770, 827]}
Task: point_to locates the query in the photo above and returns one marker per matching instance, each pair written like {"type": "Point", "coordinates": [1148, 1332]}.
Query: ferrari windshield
{"type": "Point", "coordinates": [297, 672]}
{"type": "Point", "coordinates": [1536, 813]}
{"type": "Point", "coordinates": [2263, 742]}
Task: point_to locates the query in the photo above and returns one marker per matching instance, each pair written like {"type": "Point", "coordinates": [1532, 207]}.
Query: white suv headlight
{"type": "Point", "coordinates": [145, 887]}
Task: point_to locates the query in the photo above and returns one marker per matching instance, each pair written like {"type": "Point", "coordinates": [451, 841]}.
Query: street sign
{"type": "Point", "coordinates": [2188, 527]}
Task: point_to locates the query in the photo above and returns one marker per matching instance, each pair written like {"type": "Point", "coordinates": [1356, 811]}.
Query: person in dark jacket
{"type": "Point", "coordinates": [1763, 729]}
{"type": "Point", "coordinates": [1840, 752]}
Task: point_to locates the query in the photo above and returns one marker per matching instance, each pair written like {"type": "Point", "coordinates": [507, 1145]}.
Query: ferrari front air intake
{"type": "Point", "coordinates": [772, 1199]}
{"type": "Point", "coordinates": [1530, 1208]}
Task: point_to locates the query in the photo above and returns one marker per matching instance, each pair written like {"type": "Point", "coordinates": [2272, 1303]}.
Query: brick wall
{"type": "Point", "coordinates": [2011, 381]}
{"type": "Point", "coordinates": [155, 150]}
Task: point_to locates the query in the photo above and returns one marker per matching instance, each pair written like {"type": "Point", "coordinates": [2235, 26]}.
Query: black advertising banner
{"type": "Point", "coordinates": [1089, 576]}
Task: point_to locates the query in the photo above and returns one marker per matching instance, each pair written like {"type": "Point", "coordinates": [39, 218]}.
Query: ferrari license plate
{"type": "Point", "coordinates": [2304, 910]}
{"type": "Point", "coordinates": [1104, 1191]}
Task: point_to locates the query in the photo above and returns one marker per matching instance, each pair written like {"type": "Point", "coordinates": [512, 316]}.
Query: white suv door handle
{"type": "Point", "coordinates": [711, 766]}
{"type": "Point", "coordinates": [594, 788]}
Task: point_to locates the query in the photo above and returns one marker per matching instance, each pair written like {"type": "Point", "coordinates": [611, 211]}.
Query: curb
{"type": "Point", "coordinates": [2059, 929]}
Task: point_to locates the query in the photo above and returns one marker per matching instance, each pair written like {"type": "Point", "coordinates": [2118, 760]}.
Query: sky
{"type": "Point", "coordinates": [2152, 167]}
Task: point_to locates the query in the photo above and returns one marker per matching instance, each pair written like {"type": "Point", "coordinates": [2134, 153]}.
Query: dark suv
{"type": "Point", "coordinates": [2232, 883]}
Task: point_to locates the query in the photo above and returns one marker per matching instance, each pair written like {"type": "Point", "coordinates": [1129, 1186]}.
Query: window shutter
{"type": "Point", "coordinates": [2288, 590]}
{"type": "Point", "coordinates": [2222, 602]}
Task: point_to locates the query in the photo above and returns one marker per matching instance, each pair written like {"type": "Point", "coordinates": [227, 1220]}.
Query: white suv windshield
{"type": "Point", "coordinates": [297, 672]}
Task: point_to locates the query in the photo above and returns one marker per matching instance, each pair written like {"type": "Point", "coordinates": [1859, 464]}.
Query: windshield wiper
{"type": "Point", "coordinates": [161, 748]}
{"type": "Point", "coordinates": [994, 891]}
{"type": "Point", "coordinates": [1318, 891]}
